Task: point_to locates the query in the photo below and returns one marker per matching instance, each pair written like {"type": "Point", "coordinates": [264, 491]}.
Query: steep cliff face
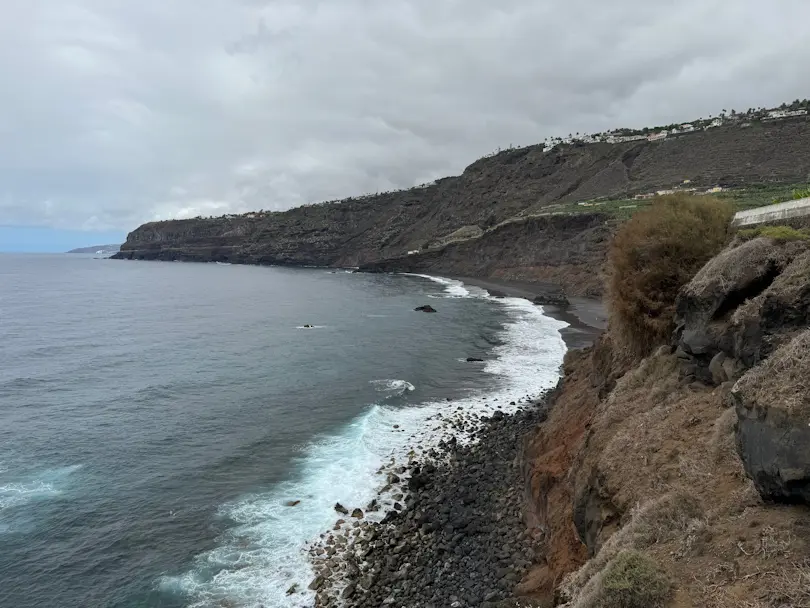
{"type": "Point", "coordinates": [365, 230]}
{"type": "Point", "coordinates": [566, 250]}
{"type": "Point", "coordinates": [650, 457]}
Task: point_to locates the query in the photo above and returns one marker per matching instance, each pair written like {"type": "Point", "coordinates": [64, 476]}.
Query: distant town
{"type": "Point", "coordinates": [729, 118]}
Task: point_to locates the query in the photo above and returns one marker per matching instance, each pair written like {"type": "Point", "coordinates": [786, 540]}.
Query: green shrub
{"type": "Point", "coordinates": [652, 256]}
{"type": "Point", "coordinates": [801, 193]}
{"type": "Point", "coordinates": [633, 580]}
{"type": "Point", "coordinates": [778, 233]}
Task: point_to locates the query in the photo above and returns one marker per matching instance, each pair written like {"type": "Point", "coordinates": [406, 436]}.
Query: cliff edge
{"type": "Point", "coordinates": [468, 224]}
{"type": "Point", "coordinates": [678, 474]}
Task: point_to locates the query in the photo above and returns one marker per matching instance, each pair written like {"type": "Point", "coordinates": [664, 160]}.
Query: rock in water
{"type": "Point", "coordinates": [425, 308]}
{"type": "Point", "coordinates": [474, 360]}
{"type": "Point", "coordinates": [341, 509]}
{"type": "Point", "coordinates": [291, 503]}
{"type": "Point", "coordinates": [773, 432]}
{"type": "Point", "coordinates": [357, 513]}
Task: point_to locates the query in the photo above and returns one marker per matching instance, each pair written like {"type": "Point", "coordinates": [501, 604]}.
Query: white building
{"type": "Point", "coordinates": [687, 128]}
{"type": "Point", "coordinates": [657, 136]}
{"type": "Point", "coordinates": [618, 139]}
{"type": "Point", "coordinates": [774, 114]}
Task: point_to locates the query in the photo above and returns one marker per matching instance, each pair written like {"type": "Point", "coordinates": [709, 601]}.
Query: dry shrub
{"type": "Point", "coordinates": [674, 515]}
{"type": "Point", "coordinates": [633, 580]}
{"type": "Point", "coordinates": [652, 256]}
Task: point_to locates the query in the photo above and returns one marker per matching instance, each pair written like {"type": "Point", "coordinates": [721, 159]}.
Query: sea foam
{"type": "Point", "coordinates": [264, 555]}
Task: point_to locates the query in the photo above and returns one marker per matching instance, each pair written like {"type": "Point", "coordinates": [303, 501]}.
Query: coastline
{"type": "Point", "coordinates": [586, 317]}
{"type": "Point", "coordinates": [455, 535]}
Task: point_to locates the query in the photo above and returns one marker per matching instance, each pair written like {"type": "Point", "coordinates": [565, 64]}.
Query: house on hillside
{"type": "Point", "coordinates": [687, 128]}
{"type": "Point", "coordinates": [776, 114]}
{"type": "Point", "coordinates": [657, 136]}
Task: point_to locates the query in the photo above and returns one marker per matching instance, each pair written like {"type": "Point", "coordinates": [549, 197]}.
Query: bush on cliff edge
{"type": "Point", "coordinates": [652, 256]}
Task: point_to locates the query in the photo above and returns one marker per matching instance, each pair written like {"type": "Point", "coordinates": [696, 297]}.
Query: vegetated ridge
{"type": "Point", "coordinates": [469, 224]}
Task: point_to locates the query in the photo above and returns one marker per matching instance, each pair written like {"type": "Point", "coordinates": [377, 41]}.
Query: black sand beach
{"type": "Point", "coordinates": [455, 536]}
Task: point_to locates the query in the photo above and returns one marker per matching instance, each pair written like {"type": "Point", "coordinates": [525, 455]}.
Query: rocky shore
{"type": "Point", "coordinates": [454, 535]}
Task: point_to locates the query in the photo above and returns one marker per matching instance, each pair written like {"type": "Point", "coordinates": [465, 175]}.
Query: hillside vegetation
{"type": "Point", "coordinates": [680, 476]}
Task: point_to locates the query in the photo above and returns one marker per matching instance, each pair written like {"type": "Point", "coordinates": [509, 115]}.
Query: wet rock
{"type": "Point", "coordinates": [425, 308]}
{"type": "Point", "coordinates": [293, 589]}
{"type": "Point", "coordinates": [292, 503]}
{"type": "Point", "coordinates": [341, 509]}
{"type": "Point", "coordinates": [474, 360]}
{"type": "Point", "coordinates": [316, 583]}
{"type": "Point", "coordinates": [357, 513]}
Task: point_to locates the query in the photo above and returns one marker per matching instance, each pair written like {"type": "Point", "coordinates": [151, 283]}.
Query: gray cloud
{"type": "Point", "coordinates": [116, 112]}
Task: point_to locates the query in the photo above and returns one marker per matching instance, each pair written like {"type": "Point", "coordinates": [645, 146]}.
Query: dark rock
{"type": "Point", "coordinates": [773, 434]}
{"type": "Point", "coordinates": [357, 513]}
{"type": "Point", "coordinates": [316, 583]}
{"type": "Point", "coordinates": [341, 509]}
{"type": "Point", "coordinates": [474, 360]}
{"type": "Point", "coordinates": [425, 308]}
{"type": "Point", "coordinates": [293, 589]}
{"type": "Point", "coordinates": [292, 503]}
{"type": "Point", "coordinates": [556, 298]}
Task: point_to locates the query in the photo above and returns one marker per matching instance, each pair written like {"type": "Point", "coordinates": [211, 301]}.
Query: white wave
{"type": "Point", "coordinates": [44, 485]}
{"type": "Point", "coordinates": [393, 386]}
{"type": "Point", "coordinates": [265, 554]}
{"type": "Point", "coordinates": [223, 263]}
{"type": "Point", "coordinates": [452, 287]}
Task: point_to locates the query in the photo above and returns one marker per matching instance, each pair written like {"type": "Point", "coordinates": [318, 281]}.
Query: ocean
{"type": "Point", "coordinates": [158, 419]}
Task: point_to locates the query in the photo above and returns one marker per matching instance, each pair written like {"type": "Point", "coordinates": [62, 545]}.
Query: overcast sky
{"type": "Point", "coordinates": [116, 112]}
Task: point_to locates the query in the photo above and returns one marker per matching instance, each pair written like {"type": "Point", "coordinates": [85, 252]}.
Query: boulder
{"type": "Point", "coordinates": [744, 303]}
{"type": "Point", "coordinates": [772, 401]}
{"type": "Point", "coordinates": [316, 583]}
{"type": "Point", "coordinates": [554, 298]}
{"type": "Point", "coordinates": [425, 308]}
{"type": "Point", "coordinates": [341, 509]}
{"type": "Point", "coordinates": [357, 513]}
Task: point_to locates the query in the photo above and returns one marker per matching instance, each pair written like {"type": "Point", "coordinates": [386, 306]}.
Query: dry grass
{"type": "Point", "coordinates": [672, 516]}
{"type": "Point", "coordinates": [783, 380]}
{"type": "Point", "coordinates": [652, 256]}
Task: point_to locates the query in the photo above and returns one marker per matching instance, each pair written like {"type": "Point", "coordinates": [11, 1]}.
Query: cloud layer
{"type": "Point", "coordinates": [116, 112]}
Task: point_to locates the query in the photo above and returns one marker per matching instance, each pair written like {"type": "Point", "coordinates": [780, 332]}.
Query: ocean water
{"type": "Point", "coordinates": [156, 418]}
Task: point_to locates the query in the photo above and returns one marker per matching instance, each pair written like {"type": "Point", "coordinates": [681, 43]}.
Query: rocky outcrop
{"type": "Point", "coordinates": [773, 432]}
{"type": "Point", "coordinates": [741, 306]}
{"type": "Point", "coordinates": [456, 216]}
{"type": "Point", "coordinates": [719, 416]}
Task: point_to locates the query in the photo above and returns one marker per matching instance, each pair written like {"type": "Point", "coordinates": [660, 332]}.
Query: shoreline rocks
{"type": "Point", "coordinates": [425, 308]}
{"type": "Point", "coordinates": [454, 536]}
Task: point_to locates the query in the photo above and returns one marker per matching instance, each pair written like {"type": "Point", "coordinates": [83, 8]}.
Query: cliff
{"type": "Point", "coordinates": [512, 185]}
{"type": "Point", "coordinates": [683, 478]}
